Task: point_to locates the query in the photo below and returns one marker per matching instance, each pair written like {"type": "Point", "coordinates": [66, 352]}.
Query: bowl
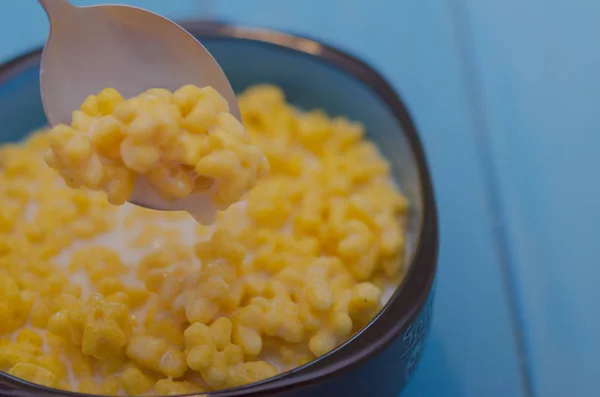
{"type": "Point", "coordinates": [381, 358]}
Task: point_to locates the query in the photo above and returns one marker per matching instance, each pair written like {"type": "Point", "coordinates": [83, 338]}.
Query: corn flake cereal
{"type": "Point", "coordinates": [125, 301]}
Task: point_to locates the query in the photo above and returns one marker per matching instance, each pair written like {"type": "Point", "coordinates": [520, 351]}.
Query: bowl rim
{"type": "Point", "coordinates": [409, 298]}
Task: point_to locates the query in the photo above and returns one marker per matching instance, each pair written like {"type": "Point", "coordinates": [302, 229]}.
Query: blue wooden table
{"type": "Point", "coordinates": [505, 96]}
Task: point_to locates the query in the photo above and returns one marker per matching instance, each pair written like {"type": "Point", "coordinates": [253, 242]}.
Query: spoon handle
{"type": "Point", "coordinates": [54, 7]}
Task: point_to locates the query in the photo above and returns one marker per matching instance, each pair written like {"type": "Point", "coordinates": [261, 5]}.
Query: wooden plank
{"type": "Point", "coordinates": [539, 61]}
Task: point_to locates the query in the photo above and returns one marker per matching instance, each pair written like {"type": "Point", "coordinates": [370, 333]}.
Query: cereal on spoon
{"type": "Point", "coordinates": [182, 143]}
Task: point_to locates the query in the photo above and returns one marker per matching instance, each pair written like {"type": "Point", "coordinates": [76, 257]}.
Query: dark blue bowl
{"type": "Point", "coordinates": [380, 359]}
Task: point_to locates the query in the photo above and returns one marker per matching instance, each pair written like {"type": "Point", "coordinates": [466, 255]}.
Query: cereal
{"type": "Point", "coordinates": [126, 301]}
{"type": "Point", "coordinates": [183, 143]}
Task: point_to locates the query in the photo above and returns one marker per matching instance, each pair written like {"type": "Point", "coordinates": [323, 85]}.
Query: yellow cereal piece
{"type": "Point", "coordinates": [34, 373]}
{"type": "Point", "coordinates": [101, 338]}
{"type": "Point", "coordinates": [139, 158]}
{"type": "Point", "coordinates": [99, 327]}
{"type": "Point", "coordinates": [318, 295]}
{"type": "Point", "coordinates": [175, 183]}
{"type": "Point", "coordinates": [109, 285]}
{"type": "Point", "coordinates": [99, 262]}
{"type": "Point", "coordinates": [314, 130]}
{"type": "Point", "coordinates": [110, 386]}
{"type": "Point", "coordinates": [221, 247]}
{"type": "Point", "coordinates": [118, 297]}
{"type": "Point", "coordinates": [54, 365]}
{"type": "Point", "coordinates": [162, 258]}
{"type": "Point", "coordinates": [198, 334]}
{"type": "Point", "coordinates": [173, 363]}
{"type": "Point", "coordinates": [125, 112]}
{"type": "Point", "coordinates": [27, 335]}
{"type": "Point", "coordinates": [90, 106]}
{"type": "Point", "coordinates": [107, 100]}
{"type": "Point", "coordinates": [186, 97]}
{"type": "Point", "coordinates": [89, 386]}
{"type": "Point", "coordinates": [79, 148]}
{"type": "Point", "coordinates": [110, 365]}
{"type": "Point", "coordinates": [120, 186]}
{"type": "Point", "coordinates": [11, 305]}
{"type": "Point", "coordinates": [135, 382]}
{"type": "Point", "coordinates": [155, 354]}
{"type": "Point", "coordinates": [7, 222]}
{"type": "Point", "coordinates": [12, 354]}
{"type": "Point", "coordinates": [249, 339]}
{"type": "Point", "coordinates": [249, 372]}
{"type": "Point", "coordinates": [220, 331]}
{"type": "Point", "coordinates": [310, 320]}
{"type": "Point", "coordinates": [200, 310]}
{"type": "Point", "coordinates": [204, 112]}
{"type": "Point", "coordinates": [217, 374]}
{"type": "Point", "coordinates": [106, 135]}
{"type": "Point", "coordinates": [233, 354]}
{"type": "Point", "coordinates": [322, 343]}
{"type": "Point", "coordinates": [340, 324]}
{"type": "Point", "coordinates": [80, 120]}
{"type": "Point", "coordinates": [169, 387]}
{"type": "Point", "coordinates": [364, 296]}
{"type": "Point", "coordinates": [200, 357]}
{"type": "Point", "coordinates": [138, 296]}
{"type": "Point", "coordinates": [59, 323]}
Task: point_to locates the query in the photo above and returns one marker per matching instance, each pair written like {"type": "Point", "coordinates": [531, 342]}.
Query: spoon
{"type": "Point", "coordinates": [126, 48]}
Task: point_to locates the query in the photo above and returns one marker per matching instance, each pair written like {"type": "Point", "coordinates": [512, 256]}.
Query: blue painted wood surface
{"type": "Point", "coordinates": [504, 95]}
{"type": "Point", "coordinates": [537, 63]}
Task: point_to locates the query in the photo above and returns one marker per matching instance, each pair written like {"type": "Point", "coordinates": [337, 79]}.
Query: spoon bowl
{"type": "Point", "coordinates": [126, 48]}
{"type": "Point", "coordinates": [123, 47]}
